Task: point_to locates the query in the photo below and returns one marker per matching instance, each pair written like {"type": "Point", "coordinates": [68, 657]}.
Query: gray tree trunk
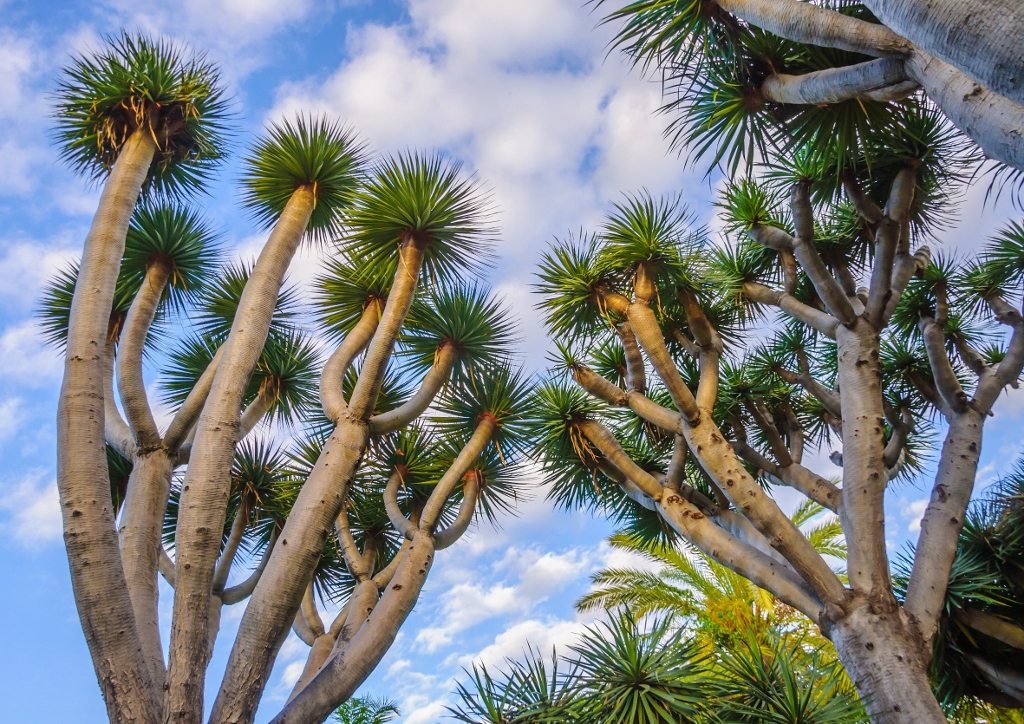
{"type": "Point", "coordinates": [97, 578]}
{"type": "Point", "coordinates": [206, 486]}
{"type": "Point", "coordinates": [980, 37]}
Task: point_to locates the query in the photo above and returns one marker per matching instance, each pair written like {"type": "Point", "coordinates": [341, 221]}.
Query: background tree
{"type": "Point", "coordinates": [407, 433]}
{"type": "Point", "coordinates": [745, 74]}
{"type": "Point", "coordinates": [876, 339]}
{"type": "Point", "coordinates": [621, 671]}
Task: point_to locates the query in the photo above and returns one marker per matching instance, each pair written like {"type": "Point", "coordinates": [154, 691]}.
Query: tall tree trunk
{"type": "Point", "coordinates": [277, 596]}
{"type": "Point", "coordinates": [979, 37]}
{"type": "Point", "coordinates": [342, 675]}
{"type": "Point", "coordinates": [97, 578]}
{"type": "Point", "coordinates": [863, 516]}
{"type": "Point", "coordinates": [206, 487]}
{"type": "Point", "coordinates": [139, 534]}
{"type": "Point", "coordinates": [887, 660]}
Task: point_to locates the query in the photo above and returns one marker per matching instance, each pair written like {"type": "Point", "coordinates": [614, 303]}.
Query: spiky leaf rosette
{"type": "Point", "coordinates": [479, 326]}
{"type": "Point", "coordinates": [496, 391]}
{"type": "Point", "coordinates": [54, 310]}
{"type": "Point", "coordinates": [317, 153]}
{"type": "Point", "coordinates": [290, 363]}
{"type": "Point", "coordinates": [627, 674]}
{"type": "Point", "coordinates": [429, 198]}
{"type": "Point", "coordinates": [138, 82]}
{"type": "Point", "coordinates": [259, 476]}
{"type": "Point", "coordinates": [176, 236]}
{"type": "Point", "coordinates": [643, 228]}
{"type": "Point", "coordinates": [568, 460]}
{"type": "Point", "coordinates": [217, 302]}
{"type": "Point", "coordinates": [344, 290]}
{"type": "Point", "coordinates": [525, 692]}
{"type": "Point", "coordinates": [568, 278]}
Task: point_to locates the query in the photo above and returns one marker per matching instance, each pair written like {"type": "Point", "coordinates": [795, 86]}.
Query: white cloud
{"type": "Point", "coordinates": [10, 417]}
{"type": "Point", "coordinates": [913, 511]}
{"type": "Point", "coordinates": [33, 509]}
{"type": "Point", "coordinates": [26, 265]}
{"type": "Point", "coordinates": [541, 635]}
{"type": "Point", "coordinates": [25, 359]}
{"type": "Point", "coordinates": [470, 603]}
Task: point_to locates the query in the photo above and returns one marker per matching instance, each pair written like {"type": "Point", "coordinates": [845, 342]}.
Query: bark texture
{"type": "Point", "coordinates": [206, 486]}
{"type": "Point", "coordinates": [97, 577]}
{"type": "Point", "coordinates": [887, 661]}
{"type": "Point", "coordinates": [980, 37]}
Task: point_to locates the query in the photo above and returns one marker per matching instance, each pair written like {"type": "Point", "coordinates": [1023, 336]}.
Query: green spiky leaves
{"type": "Point", "coordinates": [428, 199]}
{"type": "Point", "coordinates": [136, 83]}
{"type": "Point", "coordinates": [480, 329]}
{"type": "Point", "coordinates": [177, 238]}
{"type": "Point", "coordinates": [314, 153]}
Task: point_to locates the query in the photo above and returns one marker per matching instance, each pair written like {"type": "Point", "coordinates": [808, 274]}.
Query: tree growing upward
{"type": "Point", "coordinates": [877, 338]}
{"type": "Point", "coordinates": [410, 430]}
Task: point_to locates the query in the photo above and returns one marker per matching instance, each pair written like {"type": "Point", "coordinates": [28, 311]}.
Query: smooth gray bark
{"type": "Point", "coordinates": [97, 577]}
{"type": "Point", "coordinates": [206, 487]}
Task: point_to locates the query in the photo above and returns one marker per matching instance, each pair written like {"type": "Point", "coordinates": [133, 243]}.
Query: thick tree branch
{"type": "Point", "coordinates": [883, 79]}
{"type": "Point", "coordinates": [332, 398]}
{"type": "Point", "coordinates": [185, 418]}
{"type": "Point", "coordinates": [436, 377]}
{"type": "Point", "coordinates": [813, 318]}
{"type": "Point", "coordinates": [946, 382]}
{"type": "Point", "coordinates": [470, 492]}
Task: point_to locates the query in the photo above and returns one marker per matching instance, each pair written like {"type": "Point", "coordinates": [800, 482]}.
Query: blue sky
{"type": "Point", "coordinates": [524, 94]}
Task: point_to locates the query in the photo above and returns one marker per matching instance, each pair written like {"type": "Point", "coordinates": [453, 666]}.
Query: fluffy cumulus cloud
{"type": "Point", "coordinates": [30, 507]}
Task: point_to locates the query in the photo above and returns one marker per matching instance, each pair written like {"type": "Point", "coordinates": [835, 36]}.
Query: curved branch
{"type": "Point", "coordinates": [485, 429]}
{"type": "Point", "coordinates": [942, 371]}
{"type": "Point", "coordinates": [381, 347]}
{"type": "Point", "coordinates": [806, 23]}
{"type": "Point", "coordinates": [116, 431]}
{"type": "Point", "coordinates": [436, 377]}
{"type": "Point", "coordinates": [332, 398]}
{"type": "Point", "coordinates": [470, 492]}
{"type": "Point", "coordinates": [227, 557]}
{"type": "Point", "coordinates": [818, 320]}
{"type": "Point", "coordinates": [650, 337]}
{"type": "Point", "coordinates": [402, 524]}
{"type": "Point", "coordinates": [251, 416]}
{"type": "Point", "coordinates": [878, 80]}
{"type": "Point", "coordinates": [130, 384]}
{"type": "Point", "coordinates": [236, 594]}
{"type": "Point", "coordinates": [637, 375]}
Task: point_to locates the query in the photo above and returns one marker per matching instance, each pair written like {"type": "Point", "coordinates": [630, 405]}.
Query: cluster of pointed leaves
{"type": "Point", "coordinates": [987, 576]}
{"type": "Point", "coordinates": [624, 672]}
{"type": "Point", "coordinates": [136, 83]}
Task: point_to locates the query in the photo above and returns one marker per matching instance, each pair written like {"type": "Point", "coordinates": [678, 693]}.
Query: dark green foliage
{"type": "Point", "coordinates": [316, 153]}
{"type": "Point", "coordinates": [345, 289]}
{"type": "Point", "coordinates": [176, 236]}
{"type": "Point", "coordinates": [427, 198]}
{"type": "Point", "coordinates": [218, 301]}
{"type": "Point", "coordinates": [366, 710]}
{"type": "Point", "coordinates": [138, 82]}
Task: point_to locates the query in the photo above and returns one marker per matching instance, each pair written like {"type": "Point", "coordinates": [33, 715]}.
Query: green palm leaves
{"type": "Point", "coordinates": [314, 153]}
{"type": "Point", "coordinates": [138, 83]}
{"type": "Point", "coordinates": [426, 198]}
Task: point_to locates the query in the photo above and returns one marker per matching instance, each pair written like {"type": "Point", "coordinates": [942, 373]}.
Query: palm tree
{"type": "Point", "coordinates": [366, 710]}
{"type": "Point", "coordinates": [140, 113]}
